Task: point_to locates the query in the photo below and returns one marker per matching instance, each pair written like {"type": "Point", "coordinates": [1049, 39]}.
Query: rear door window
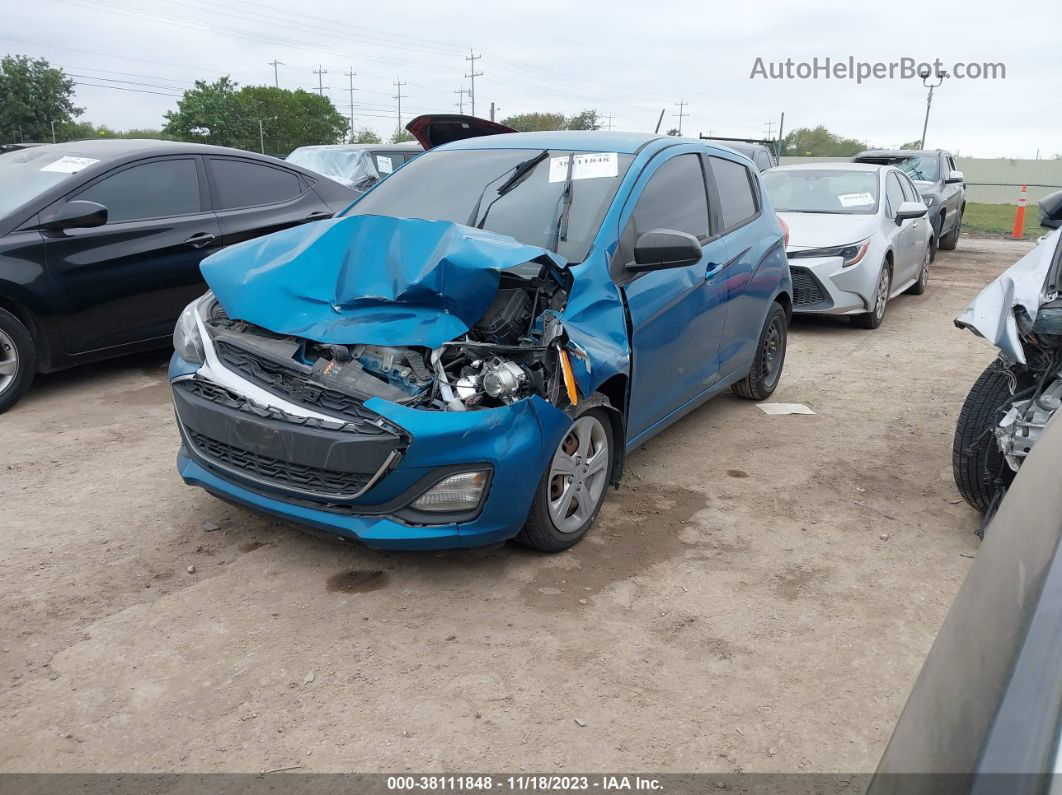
{"type": "Point", "coordinates": [675, 198]}
{"type": "Point", "coordinates": [242, 183]}
{"type": "Point", "coordinates": [157, 189]}
{"type": "Point", "coordinates": [737, 196]}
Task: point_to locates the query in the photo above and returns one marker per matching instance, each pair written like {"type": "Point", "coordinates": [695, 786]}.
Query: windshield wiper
{"type": "Point", "coordinates": [520, 173]}
{"type": "Point", "coordinates": [560, 231]}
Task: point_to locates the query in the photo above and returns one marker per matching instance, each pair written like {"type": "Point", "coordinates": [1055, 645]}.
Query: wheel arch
{"type": "Point", "coordinates": [615, 394]}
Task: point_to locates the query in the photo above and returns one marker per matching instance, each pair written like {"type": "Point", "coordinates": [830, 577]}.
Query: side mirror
{"type": "Point", "coordinates": [658, 249]}
{"type": "Point", "coordinates": [954, 178]}
{"type": "Point", "coordinates": [78, 215]}
{"type": "Point", "coordinates": [908, 210]}
{"type": "Point", "coordinates": [1051, 210]}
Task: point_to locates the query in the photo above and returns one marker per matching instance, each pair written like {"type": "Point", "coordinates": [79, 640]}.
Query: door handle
{"type": "Point", "coordinates": [320, 215]}
{"type": "Point", "coordinates": [713, 268]}
{"type": "Point", "coordinates": [201, 239]}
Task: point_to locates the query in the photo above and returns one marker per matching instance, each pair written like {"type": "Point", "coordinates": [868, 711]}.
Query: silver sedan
{"type": "Point", "coordinates": [858, 236]}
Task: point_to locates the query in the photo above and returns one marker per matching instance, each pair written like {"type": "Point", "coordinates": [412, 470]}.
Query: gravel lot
{"type": "Point", "coordinates": [757, 596]}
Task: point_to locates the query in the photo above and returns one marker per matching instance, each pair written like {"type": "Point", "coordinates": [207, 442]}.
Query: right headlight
{"type": "Point", "coordinates": [850, 255]}
{"type": "Point", "coordinates": [187, 341]}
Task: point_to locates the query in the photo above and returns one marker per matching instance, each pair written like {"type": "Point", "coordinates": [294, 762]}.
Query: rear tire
{"type": "Point", "coordinates": [950, 241]}
{"type": "Point", "coordinates": [767, 364]}
{"type": "Point", "coordinates": [977, 463]}
{"type": "Point", "coordinates": [552, 524]}
{"type": "Point", "coordinates": [18, 360]}
{"type": "Point", "coordinates": [919, 287]}
{"type": "Point", "coordinates": [882, 291]}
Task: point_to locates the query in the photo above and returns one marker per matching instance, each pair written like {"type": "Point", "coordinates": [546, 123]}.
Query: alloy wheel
{"type": "Point", "coordinates": [578, 474]}
{"type": "Point", "coordinates": [882, 294]}
{"type": "Point", "coordinates": [8, 361]}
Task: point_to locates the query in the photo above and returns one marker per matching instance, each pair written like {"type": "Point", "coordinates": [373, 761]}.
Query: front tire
{"type": "Point", "coordinates": [572, 489]}
{"type": "Point", "coordinates": [767, 364]}
{"type": "Point", "coordinates": [18, 360]}
{"type": "Point", "coordinates": [977, 463]}
{"type": "Point", "coordinates": [882, 290]}
{"type": "Point", "coordinates": [950, 241]}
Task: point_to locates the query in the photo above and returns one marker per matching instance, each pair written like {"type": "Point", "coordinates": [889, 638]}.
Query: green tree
{"type": "Point", "coordinates": [546, 121]}
{"type": "Point", "coordinates": [401, 136]}
{"type": "Point", "coordinates": [33, 95]}
{"type": "Point", "coordinates": [586, 120]}
{"type": "Point", "coordinates": [674, 131]}
{"type": "Point", "coordinates": [221, 113]}
{"type": "Point", "coordinates": [366, 135]}
{"type": "Point", "coordinates": [820, 142]}
{"type": "Point", "coordinates": [911, 145]}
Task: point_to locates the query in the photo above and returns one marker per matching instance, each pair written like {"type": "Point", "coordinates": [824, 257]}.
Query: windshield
{"type": "Point", "coordinates": [352, 167]}
{"type": "Point", "coordinates": [823, 191]}
{"type": "Point", "coordinates": [920, 167]}
{"type": "Point", "coordinates": [27, 173]}
{"type": "Point", "coordinates": [450, 185]}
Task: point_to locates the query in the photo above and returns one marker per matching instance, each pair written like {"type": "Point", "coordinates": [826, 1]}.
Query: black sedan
{"type": "Point", "coordinates": [100, 241]}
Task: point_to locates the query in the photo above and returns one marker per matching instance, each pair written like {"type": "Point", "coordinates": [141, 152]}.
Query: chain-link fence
{"type": "Point", "coordinates": [991, 207]}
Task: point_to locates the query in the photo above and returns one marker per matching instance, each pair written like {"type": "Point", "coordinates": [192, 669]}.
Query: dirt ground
{"type": "Point", "coordinates": [757, 596]}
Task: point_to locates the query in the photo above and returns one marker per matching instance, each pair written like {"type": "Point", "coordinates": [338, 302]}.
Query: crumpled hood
{"type": "Point", "coordinates": [367, 279]}
{"type": "Point", "coordinates": [991, 314]}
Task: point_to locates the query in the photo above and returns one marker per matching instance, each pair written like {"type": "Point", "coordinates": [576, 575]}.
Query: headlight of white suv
{"type": "Point", "coordinates": [187, 341]}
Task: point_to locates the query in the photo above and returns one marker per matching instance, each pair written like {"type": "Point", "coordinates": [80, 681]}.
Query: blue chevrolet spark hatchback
{"type": "Point", "coordinates": [467, 352]}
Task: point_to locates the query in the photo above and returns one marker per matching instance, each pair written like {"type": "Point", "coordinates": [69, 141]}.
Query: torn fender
{"type": "Point", "coordinates": [367, 279]}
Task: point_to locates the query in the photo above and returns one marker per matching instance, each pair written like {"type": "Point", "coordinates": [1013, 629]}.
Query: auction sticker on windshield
{"type": "Point", "coordinates": [856, 199]}
{"type": "Point", "coordinates": [385, 165]}
{"type": "Point", "coordinates": [587, 166]}
{"type": "Point", "coordinates": [69, 164]}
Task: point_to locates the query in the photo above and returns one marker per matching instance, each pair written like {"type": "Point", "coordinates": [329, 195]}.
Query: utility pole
{"type": "Point", "coordinates": [681, 114]}
{"type": "Point", "coordinates": [320, 71]}
{"type": "Point", "coordinates": [492, 109]}
{"type": "Point", "coordinates": [53, 140]}
{"type": "Point", "coordinates": [770, 129]}
{"type": "Point", "coordinates": [461, 99]}
{"type": "Point", "coordinates": [609, 117]}
{"type": "Point", "coordinates": [472, 57]}
{"type": "Point", "coordinates": [398, 96]}
{"type": "Point", "coordinates": [276, 74]}
{"type": "Point", "coordinates": [351, 75]}
{"type": "Point", "coordinates": [781, 133]}
{"type": "Point", "coordinates": [261, 137]}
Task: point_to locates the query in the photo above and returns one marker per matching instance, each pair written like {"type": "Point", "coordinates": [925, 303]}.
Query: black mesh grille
{"type": "Point", "coordinates": [806, 288]}
{"type": "Point", "coordinates": [291, 384]}
{"type": "Point", "coordinates": [283, 473]}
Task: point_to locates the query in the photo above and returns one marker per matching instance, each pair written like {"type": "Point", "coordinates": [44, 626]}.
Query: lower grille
{"type": "Point", "coordinates": [807, 291]}
{"type": "Point", "coordinates": [284, 473]}
{"type": "Point", "coordinates": [289, 383]}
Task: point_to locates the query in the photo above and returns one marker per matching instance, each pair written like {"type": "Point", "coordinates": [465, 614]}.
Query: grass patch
{"type": "Point", "coordinates": [998, 219]}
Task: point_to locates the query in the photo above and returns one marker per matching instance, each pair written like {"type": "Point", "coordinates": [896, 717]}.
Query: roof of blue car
{"type": "Point", "coordinates": [574, 140]}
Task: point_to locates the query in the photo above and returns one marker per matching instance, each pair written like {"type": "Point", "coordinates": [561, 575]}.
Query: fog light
{"type": "Point", "coordinates": [461, 492]}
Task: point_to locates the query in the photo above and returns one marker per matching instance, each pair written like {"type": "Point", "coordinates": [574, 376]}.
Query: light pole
{"type": "Point", "coordinates": [926, 74]}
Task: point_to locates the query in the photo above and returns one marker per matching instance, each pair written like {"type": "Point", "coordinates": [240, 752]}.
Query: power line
{"type": "Point", "coordinates": [681, 105]}
{"type": "Point", "coordinates": [351, 75]}
{"type": "Point", "coordinates": [276, 74]}
{"type": "Point", "coordinates": [472, 58]}
{"type": "Point", "coordinates": [398, 96]}
{"type": "Point", "coordinates": [320, 71]}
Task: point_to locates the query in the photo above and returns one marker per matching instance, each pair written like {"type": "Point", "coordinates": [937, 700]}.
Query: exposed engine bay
{"type": "Point", "coordinates": [518, 348]}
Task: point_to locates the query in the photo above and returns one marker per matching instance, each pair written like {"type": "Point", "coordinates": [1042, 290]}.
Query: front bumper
{"type": "Point", "coordinates": [514, 443]}
{"type": "Point", "coordinates": [821, 286]}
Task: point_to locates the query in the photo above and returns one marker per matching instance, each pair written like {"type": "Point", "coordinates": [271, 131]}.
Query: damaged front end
{"type": "Point", "coordinates": [1021, 314]}
{"type": "Point", "coordinates": [388, 387]}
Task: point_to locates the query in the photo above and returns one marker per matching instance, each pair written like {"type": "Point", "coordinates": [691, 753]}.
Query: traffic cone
{"type": "Point", "coordinates": [1018, 232]}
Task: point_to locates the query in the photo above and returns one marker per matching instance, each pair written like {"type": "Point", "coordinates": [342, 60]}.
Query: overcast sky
{"type": "Point", "coordinates": [620, 57]}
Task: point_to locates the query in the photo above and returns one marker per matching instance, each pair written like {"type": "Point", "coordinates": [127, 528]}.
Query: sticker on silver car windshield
{"type": "Point", "coordinates": [69, 164]}
{"type": "Point", "coordinates": [385, 165]}
{"type": "Point", "coordinates": [855, 199]}
{"type": "Point", "coordinates": [586, 166]}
